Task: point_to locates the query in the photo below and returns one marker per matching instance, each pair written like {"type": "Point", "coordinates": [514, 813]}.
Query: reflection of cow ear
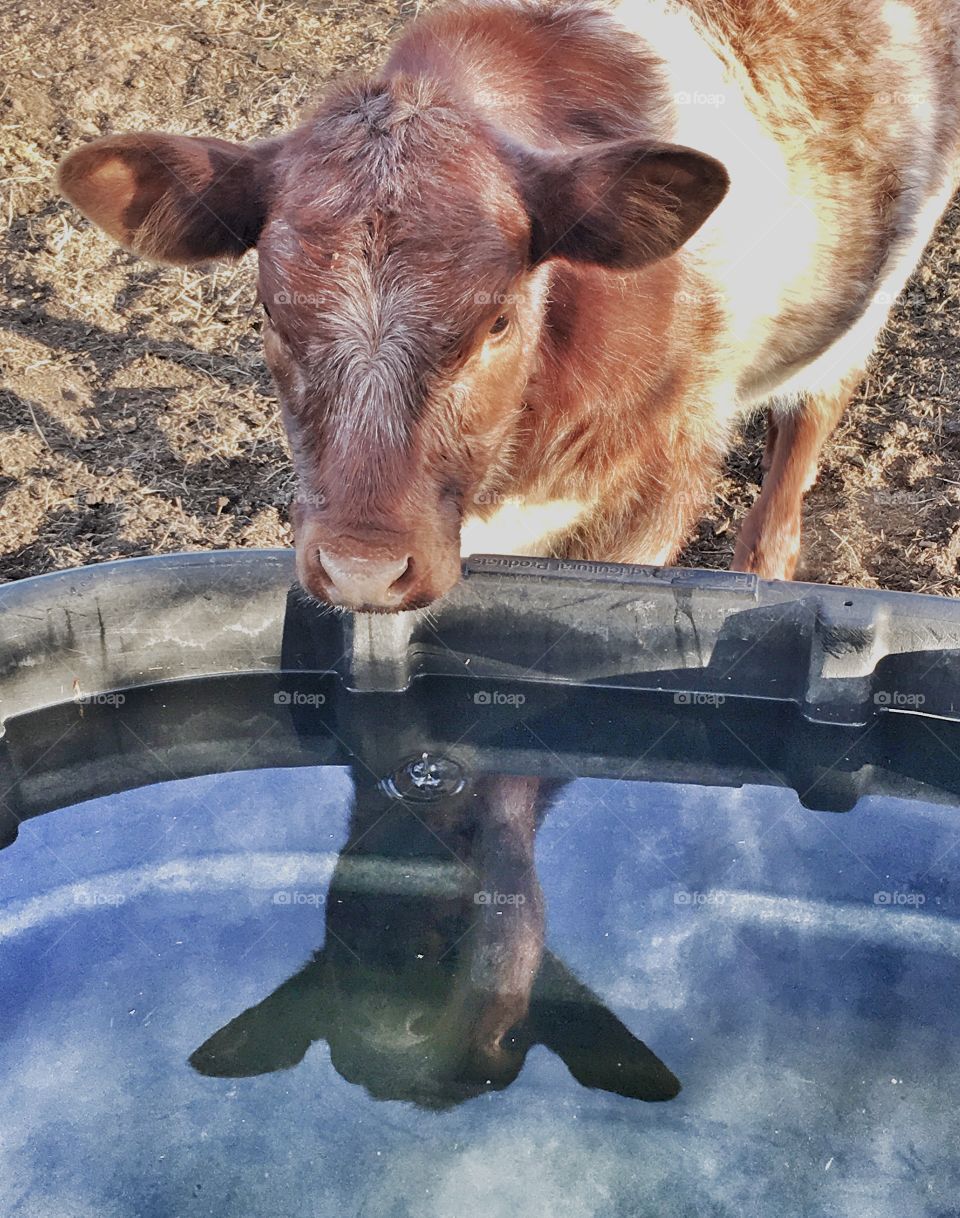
{"type": "Point", "coordinates": [274, 1035]}
{"type": "Point", "coordinates": [597, 1049]}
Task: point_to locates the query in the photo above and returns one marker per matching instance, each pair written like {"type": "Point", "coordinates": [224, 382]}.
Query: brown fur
{"type": "Point", "coordinates": [497, 273]}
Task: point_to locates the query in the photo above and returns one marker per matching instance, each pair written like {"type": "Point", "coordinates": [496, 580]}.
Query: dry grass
{"type": "Point", "coordinates": [136, 415]}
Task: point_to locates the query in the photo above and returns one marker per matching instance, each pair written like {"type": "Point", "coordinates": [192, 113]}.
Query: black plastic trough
{"type": "Point", "coordinates": [654, 646]}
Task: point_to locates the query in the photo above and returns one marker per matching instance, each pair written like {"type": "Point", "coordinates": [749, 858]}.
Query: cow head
{"type": "Point", "coordinates": [404, 250]}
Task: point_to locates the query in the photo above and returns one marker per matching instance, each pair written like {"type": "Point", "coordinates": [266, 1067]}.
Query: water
{"type": "Point", "coordinates": [288, 992]}
{"type": "Point", "coordinates": [425, 779]}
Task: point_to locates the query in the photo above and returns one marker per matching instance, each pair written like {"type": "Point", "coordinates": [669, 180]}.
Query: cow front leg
{"type": "Point", "coordinates": [769, 541]}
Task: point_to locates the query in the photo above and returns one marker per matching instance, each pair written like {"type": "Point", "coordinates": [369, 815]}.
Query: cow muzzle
{"type": "Point", "coordinates": [374, 575]}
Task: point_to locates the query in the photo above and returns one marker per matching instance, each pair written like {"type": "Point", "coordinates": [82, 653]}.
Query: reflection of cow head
{"type": "Point", "coordinates": [433, 984]}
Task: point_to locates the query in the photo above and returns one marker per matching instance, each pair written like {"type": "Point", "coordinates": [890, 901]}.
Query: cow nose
{"type": "Point", "coordinates": [373, 583]}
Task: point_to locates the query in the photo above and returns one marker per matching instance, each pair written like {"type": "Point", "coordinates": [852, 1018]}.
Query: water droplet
{"type": "Point", "coordinates": [425, 779]}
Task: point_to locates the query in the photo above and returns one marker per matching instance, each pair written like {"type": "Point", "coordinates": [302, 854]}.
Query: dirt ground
{"type": "Point", "coordinates": [136, 415]}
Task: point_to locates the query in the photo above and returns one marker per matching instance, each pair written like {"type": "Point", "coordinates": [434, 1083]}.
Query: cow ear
{"type": "Point", "coordinates": [597, 1049]}
{"type": "Point", "coordinates": [273, 1035]}
{"type": "Point", "coordinates": [172, 198]}
{"type": "Point", "coordinates": [620, 205]}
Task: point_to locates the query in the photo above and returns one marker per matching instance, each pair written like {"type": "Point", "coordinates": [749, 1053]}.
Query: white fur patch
{"type": "Point", "coordinates": [518, 527]}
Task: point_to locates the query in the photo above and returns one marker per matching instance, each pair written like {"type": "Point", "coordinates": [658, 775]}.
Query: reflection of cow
{"type": "Point", "coordinates": [433, 983]}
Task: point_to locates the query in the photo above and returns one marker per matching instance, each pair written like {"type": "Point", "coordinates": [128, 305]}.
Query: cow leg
{"type": "Point", "coordinates": [769, 540]}
{"type": "Point", "coordinates": [771, 445]}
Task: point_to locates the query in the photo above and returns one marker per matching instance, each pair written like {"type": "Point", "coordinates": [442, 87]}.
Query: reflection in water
{"type": "Point", "coordinates": [433, 983]}
{"type": "Point", "coordinates": [809, 1011]}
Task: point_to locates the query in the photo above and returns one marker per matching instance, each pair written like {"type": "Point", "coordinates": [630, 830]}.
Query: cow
{"type": "Point", "coordinates": [522, 284]}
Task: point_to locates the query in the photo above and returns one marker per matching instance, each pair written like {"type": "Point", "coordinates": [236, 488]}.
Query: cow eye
{"type": "Point", "coordinates": [501, 324]}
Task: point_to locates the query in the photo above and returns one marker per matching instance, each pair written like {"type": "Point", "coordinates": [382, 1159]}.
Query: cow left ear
{"type": "Point", "coordinates": [597, 1049]}
{"type": "Point", "coordinates": [620, 205]}
{"type": "Point", "coordinates": [172, 198]}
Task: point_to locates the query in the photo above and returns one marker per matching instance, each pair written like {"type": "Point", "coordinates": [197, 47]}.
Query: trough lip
{"type": "Point", "coordinates": [512, 565]}
{"type": "Point", "coordinates": [634, 646]}
{"type": "Point", "coordinates": [529, 568]}
{"type": "Point", "coordinates": [196, 614]}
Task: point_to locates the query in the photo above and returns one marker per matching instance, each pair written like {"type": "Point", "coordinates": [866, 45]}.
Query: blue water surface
{"type": "Point", "coordinates": [799, 973]}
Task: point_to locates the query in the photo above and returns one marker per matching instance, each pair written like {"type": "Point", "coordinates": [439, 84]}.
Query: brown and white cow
{"type": "Point", "coordinates": [522, 283]}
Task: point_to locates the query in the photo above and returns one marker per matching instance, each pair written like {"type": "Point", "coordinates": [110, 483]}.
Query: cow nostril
{"type": "Point", "coordinates": [404, 579]}
{"type": "Point", "coordinates": [319, 567]}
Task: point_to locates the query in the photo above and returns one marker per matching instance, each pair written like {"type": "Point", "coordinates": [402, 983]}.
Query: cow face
{"type": "Point", "coordinates": [404, 251]}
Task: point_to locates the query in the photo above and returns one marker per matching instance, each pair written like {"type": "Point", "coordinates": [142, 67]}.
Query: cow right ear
{"type": "Point", "coordinates": [173, 198]}
{"type": "Point", "coordinates": [273, 1035]}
